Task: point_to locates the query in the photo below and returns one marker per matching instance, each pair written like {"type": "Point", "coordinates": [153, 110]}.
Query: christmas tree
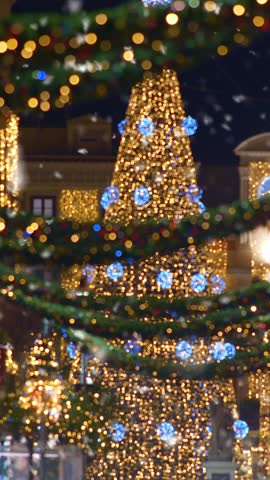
{"type": "Point", "coordinates": [162, 427]}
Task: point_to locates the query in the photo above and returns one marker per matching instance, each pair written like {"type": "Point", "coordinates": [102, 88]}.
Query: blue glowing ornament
{"type": "Point", "coordinates": [230, 350]}
{"type": "Point", "coordinates": [165, 279]}
{"type": "Point", "coordinates": [166, 431]}
{"type": "Point", "coordinates": [71, 350]}
{"type": "Point", "coordinates": [198, 282]}
{"type": "Point", "coordinates": [183, 350]}
{"type": "Point", "coordinates": [115, 271]}
{"type": "Point", "coordinates": [201, 206]}
{"type": "Point", "coordinates": [146, 127]}
{"type": "Point", "coordinates": [39, 75]}
{"type": "Point", "coordinates": [118, 431]}
{"type": "Point", "coordinates": [190, 125]}
{"type": "Point", "coordinates": [121, 126]}
{"type": "Point", "coordinates": [240, 429]}
{"type": "Point", "coordinates": [219, 351]}
{"type": "Point", "coordinates": [156, 3]}
{"type": "Point", "coordinates": [89, 273]}
{"type": "Point", "coordinates": [141, 196]}
{"type": "Point", "coordinates": [218, 284]}
{"type": "Point", "coordinates": [109, 196]}
{"type": "Point", "coordinates": [132, 346]}
{"type": "Point", "coordinates": [264, 187]}
{"type": "Point", "coordinates": [194, 193]}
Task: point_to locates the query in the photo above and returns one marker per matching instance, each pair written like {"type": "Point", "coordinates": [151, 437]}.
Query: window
{"type": "Point", "coordinates": [43, 206]}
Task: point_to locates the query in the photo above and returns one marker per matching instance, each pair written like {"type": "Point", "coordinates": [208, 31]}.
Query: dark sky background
{"type": "Point", "coordinates": [229, 96]}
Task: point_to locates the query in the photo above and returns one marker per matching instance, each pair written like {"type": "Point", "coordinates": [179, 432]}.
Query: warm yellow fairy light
{"type": "Point", "coordinates": [172, 18]}
{"type": "Point", "coordinates": [10, 364]}
{"type": "Point", "coordinates": [9, 161]}
{"type": "Point", "coordinates": [138, 38]}
{"type": "Point", "coordinates": [74, 79]}
{"type": "Point", "coordinates": [3, 47]}
{"type": "Point", "coordinates": [222, 50]}
{"type": "Point", "coordinates": [258, 21]}
{"type": "Point", "coordinates": [101, 19]}
{"type": "Point", "coordinates": [165, 164]}
{"type": "Point", "coordinates": [239, 10]}
{"type": "Point", "coordinates": [128, 55]}
{"type": "Point", "coordinates": [91, 38]}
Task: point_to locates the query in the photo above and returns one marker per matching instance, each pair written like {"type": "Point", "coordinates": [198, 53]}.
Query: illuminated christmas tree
{"type": "Point", "coordinates": [8, 160]}
{"type": "Point", "coordinates": [162, 428]}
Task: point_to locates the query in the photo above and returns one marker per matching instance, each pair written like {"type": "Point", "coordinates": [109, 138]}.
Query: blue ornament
{"type": "Point", "coordinates": [240, 429]}
{"type": "Point", "coordinates": [230, 350]}
{"type": "Point", "coordinates": [40, 75]}
{"type": "Point", "coordinates": [118, 431]}
{"type": "Point", "coordinates": [115, 271]}
{"type": "Point", "coordinates": [218, 284]}
{"type": "Point", "coordinates": [165, 279]}
{"type": "Point", "coordinates": [219, 351]}
{"type": "Point", "coordinates": [201, 206]}
{"type": "Point", "coordinates": [146, 127]}
{"type": "Point", "coordinates": [166, 431]}
{"type": "Point", "coordinates": [183, 350]}
{"type": "Point", "coordinates": [121, 126]}
{"type": "Point", "coordinates": [190, 125]}
{"type": "Point", "coordinates": [194, 193]}
{"type": "Point", "coordinates": [109, 196]}
{"type": "Point", "coordinates": [141, 196]}
{"type": "Point", "coordinates": [96, 227]}
{"type": "Point", "coordinates": [156, 3]}
{"type": "Point", "coordinates": [132, 346]}
{"type": "Point", "coordinates": [198, 282]}
{"type": "Point", "coordinates": [71, 350]}
{"type": "Point", "coordinates": [264, 187]}
{"type": "Point", "coordinates": [89, 272]}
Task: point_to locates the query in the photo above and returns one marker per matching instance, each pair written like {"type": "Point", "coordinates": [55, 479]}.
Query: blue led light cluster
{"type": "Point", "coordinates": [141, 196]}
{"type": "Point", "coordinates": [109, 196]}
{"type": "Point", "coordinates": [115, 271]}
{"type": "Point", "coordinates": [198, 283]}
{"type": "Point", "coordinates": [146, 127]}
{"type": "Point", "coordinates": [217, 284]}
{"type": "Point", "coordinates": [117, 432]}
{"type": "Point", "coordinates": [264, 187]}
{"type": "Point", "coordinates": [132, 346]}
{"type": "Point", "coordinates": [240, 428]}
{"type": "Point", "coordinates": [165, 279]}
{"type": "Point", "coordinates": [183, 350]}
{"type": "Point", "coordinates": [156, 3]}
{"type": "Point", "coordinates": [190, 125]}
{"type": "Point", "coordinates": [194, 193]}
{"type": "Point", "coordinates": [71, 350]}
{"type": "Point", "coordinates": [121, 126]}
{"type": "Point", "coordinates": [222, 350]}
{"type": "Point", "coordinates": [166, 431]}
{"type": "Point", "coordinates": [89, 273]}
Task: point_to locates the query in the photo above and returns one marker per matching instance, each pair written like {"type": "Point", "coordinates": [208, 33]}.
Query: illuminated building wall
{"type": "Point", "coordinates": [8, 160]}
{"type": "Point", "coordinates": [161, 427]}
{"type": "Point", "coordinates": [79, 205]}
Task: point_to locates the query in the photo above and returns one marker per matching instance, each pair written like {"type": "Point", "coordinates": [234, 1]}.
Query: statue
{"type": "Point", "coordinates": [221, 445]}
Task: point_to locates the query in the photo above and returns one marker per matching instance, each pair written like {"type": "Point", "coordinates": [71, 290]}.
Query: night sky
{"type": "Point", "coordinates": [229, 96]}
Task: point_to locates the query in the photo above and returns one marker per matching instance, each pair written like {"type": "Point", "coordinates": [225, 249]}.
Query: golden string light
{"type": "Point", "coordinates": [8, 160]}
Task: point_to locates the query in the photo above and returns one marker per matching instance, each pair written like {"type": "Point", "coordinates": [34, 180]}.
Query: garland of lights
{"type": "Point", "coordinates": [30, 285]}
{"type": "Point", "coordinates": [235, 322]}
{"type": "Point", "coordinates": [256, 294]}
{"type": "Point", "coordinates": [53, 57]}
{"type": "Point", "coordinates": [63, 242]}
{"type": "Point", "coordinates": [256, 358]}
